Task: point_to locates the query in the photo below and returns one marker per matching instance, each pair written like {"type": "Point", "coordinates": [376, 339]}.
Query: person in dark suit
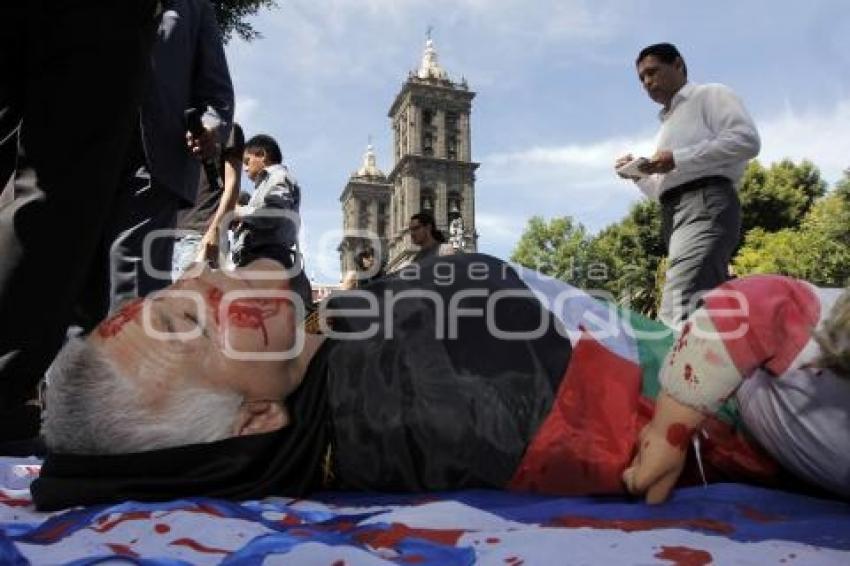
{"type": "Point", "coordinates": [161, 174]}
{"type": "Point", "coordinates": [72, 76]}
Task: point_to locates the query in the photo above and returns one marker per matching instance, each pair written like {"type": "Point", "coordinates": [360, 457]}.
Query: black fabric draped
{"type": "Point", "coordinates": [413, 408]}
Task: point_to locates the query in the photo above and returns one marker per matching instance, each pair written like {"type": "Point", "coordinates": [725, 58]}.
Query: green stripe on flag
{"type": "Point", "coordinates": [654, 340]}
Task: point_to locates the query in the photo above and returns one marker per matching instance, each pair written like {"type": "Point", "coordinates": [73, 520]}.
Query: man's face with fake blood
{"type": "Point", "coordinates": [233, 330]}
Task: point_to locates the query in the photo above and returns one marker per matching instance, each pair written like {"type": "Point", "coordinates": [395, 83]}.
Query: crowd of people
{"type": "Point", "coordinates": [191, 347]}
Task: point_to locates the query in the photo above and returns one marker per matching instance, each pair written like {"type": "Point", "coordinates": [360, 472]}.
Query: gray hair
{"type": "Point", "coordinates": [94, 408]}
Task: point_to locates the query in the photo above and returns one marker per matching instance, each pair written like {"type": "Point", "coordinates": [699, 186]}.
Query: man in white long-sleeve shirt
{"type": "Point", "coordinates": [706, 139]}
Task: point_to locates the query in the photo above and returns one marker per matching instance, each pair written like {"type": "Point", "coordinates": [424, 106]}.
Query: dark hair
{"type": "Point", "coordinates": [664, 52]}
{"type": "Point", "coordinates": [361, 255]}
{"type": "Point", "coordinates": [266, 144]}
{"type": "Point", "coordinates": [428, 218]}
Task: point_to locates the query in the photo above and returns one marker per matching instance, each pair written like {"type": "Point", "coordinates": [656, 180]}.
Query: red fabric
{"type": "Point", "coordinates": [589, 436]}
{"type": "Point", "coordinates": [778, 313]}
{"type": "Point", "coordinates": [586, 441]}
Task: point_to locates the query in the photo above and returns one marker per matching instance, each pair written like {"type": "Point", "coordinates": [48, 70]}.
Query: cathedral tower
{"type": "Point", "coordinates": [366, 204]}
{"type": "Point", "coordinates": [433, 171]}
{"type": "Point", "coordinates": [432, 151]}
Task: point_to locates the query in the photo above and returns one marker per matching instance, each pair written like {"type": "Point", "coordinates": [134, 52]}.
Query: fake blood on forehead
{"type": "Point", "coordinates": [115, 323]}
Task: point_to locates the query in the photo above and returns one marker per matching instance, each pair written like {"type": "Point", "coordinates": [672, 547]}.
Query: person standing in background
{"type": "Point", "coordinates": [215, 203]}
{"type": "Point", "coordinates": [706, 139]}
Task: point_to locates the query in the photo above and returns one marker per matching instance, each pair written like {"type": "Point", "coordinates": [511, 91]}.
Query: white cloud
{"type": "Point", "coordinates": [246, 109]}
{"type": "Point", "coordinates": [578, 179]}
{"type": "Point", "coordinates": [819, 135]}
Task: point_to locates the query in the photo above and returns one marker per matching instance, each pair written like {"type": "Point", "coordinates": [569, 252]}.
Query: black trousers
{"type": "Point", "coordinates": [71, 75]}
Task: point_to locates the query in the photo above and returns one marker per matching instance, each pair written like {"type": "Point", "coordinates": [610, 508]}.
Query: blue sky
{"type": "Point", "coordinates": [557, 97]}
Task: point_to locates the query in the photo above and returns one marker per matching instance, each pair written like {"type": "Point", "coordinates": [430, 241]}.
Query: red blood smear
{"type": "Point", "coordinates": [493, 540]}
{"type": "Point", "coordinates": [11, 502]}
{"type": "Point", "coordinates": [684, 556]}
{"type": "Point", "coordinates": [678, 435]}
{"type": "Point", "coordinates": [122, 549]}
{"type": "Point", "coordinates": [758, 516]}
{"type": "Point", "coordinates": [113, 325]}
{"type": "Point", "coordinates": [54, 533]}
{"type": "Point", "coordinates": [105, 525]}
{"type": "Point", "coordinates": [244, 315]}
{"type": "Point", "coordinates": [683, 339]}
{"type": "Point", "coordinates": [631, 525]}
{"type": "Point", "coordinates": [289, 520]}
{"type": "Point", "coordinates": [214, 299]}
{"type": "Point", "coordinates": [205, 509]}
{"type": "Point", "coordinates": [162, 528]}
{"type": "Point", "coordinates": [197, 547]}
{"type": "Point", "coordinates": [396, 532]}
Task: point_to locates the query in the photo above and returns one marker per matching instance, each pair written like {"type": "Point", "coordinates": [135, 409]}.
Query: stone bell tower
{"type": "Point", "coordinates": [366, 204]}
{"type": "Point", "coordinates": [433, 168]}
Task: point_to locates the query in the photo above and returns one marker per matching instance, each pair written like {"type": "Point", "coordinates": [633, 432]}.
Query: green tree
{"type": "Point", "coordinates": [231, 15]}
{"type": "Point", "coordinates": [558, 248]}
{"type": "Point", "coordinates": [818, 251]}
{"type": "Point", "coordinates": [631, 251]}
{"type": "Point", "coordinates": [779, 196]}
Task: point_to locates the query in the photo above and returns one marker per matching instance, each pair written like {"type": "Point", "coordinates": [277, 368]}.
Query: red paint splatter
{"type": "Point", "coordinates": [678, 435]}
{"type": "Point", "coordinates": [104, 524]}
{"type": "Point", "coordinates": [206, 509]}
{"type": "Point", "coordinates": [56, 531]}
{"type": "Point", "coordinates": [684, 556]}
{"type": "Point", "coordinates": [413, 559]}
{"type": "Point", "coordinates": [714, 358]}
{"type": "Point", "coordinates": [688, 372]}
{"type": "Point", "coordinates": [242, 314]}
{"type": "Point", "coordinates": [396, 532]}
{"type": "Point", "coordinates": [113, 325]}
{"type": "Point", "coordinates": [12, 502]}
{"type": "Point", "coordinates": [162, 528]}
{"type": "Point", "coordinates": [514, 561]}
{"type": "Point", "coordinates": [632, 525]}
{"type": "Point", "coordinates": [246, 313]}
{"type": "Point", "coordinates": [338, 563]}
{"type": "Point", "coordinates": [123, 550]}
{"type": "Point", "coordinates": [291, 520]}
{"type": "Point", "coordinates": [214, 296]}
{"type": "Point", "coordinates": [197, 547]}
{"type": "Point", "coordinates": [493, 540]}
{"type": "Point", "coordinates": [683, 338]}
{"type": "Point", "coordinates": [758, 516]}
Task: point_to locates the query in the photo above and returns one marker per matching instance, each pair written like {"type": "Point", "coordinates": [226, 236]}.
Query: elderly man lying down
{"type": "Point", "coordinates": [451, 375]}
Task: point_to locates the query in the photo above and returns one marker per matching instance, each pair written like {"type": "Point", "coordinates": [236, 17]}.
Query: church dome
{"type": "Point", "coordinates": [430, 67]}
{"type": "Point", "coordinates": [369, 167]}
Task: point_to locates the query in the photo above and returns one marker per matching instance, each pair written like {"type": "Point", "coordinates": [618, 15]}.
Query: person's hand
{"type": "Point", "coordinates": [203, 146]}
{"type": "Point", "coordinates": [661, 162]}
{"type": "Point", "coordinates": [661, 450]}
{"type": "Point", "coordinates": [622, 161]}
{"type": "Point", "coordinates": [208, 249]}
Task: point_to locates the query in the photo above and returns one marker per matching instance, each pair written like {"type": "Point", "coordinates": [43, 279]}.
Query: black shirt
{"type": "Point", "coordinates": [198, 216]}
